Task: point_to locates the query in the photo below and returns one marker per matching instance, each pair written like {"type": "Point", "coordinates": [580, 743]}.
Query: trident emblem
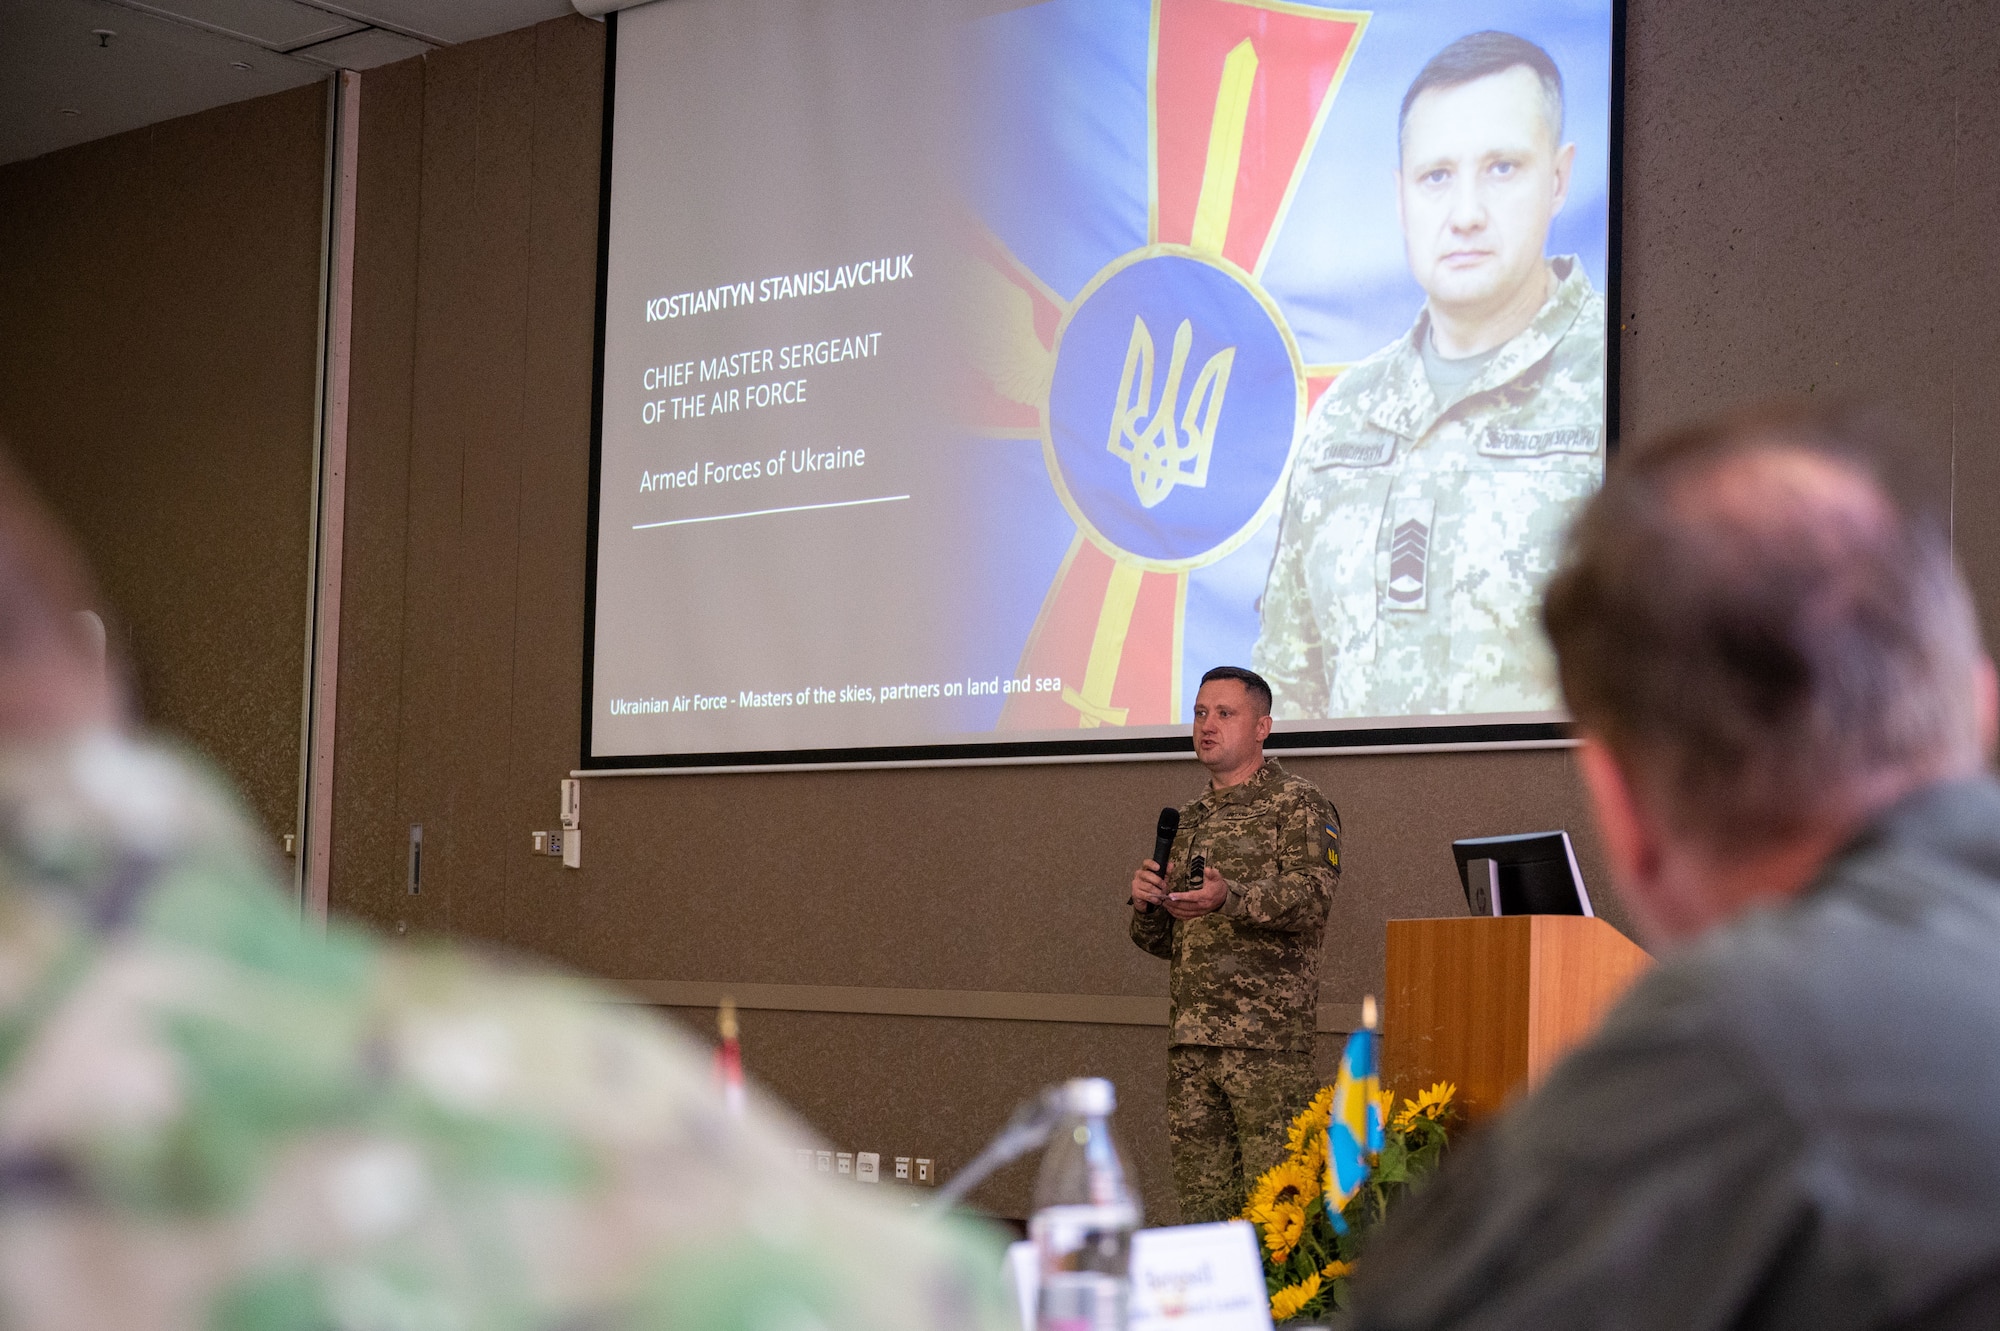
{"type": "Point", "coordinates": [1162, 456]}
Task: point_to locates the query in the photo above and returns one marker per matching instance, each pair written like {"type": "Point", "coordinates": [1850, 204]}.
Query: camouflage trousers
{"type": "Point", "coordinates": [1228, 1113]}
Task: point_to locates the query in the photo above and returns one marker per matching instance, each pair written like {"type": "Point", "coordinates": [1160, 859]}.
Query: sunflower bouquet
{"type": "Point", "coordinates": [1306, 1264]}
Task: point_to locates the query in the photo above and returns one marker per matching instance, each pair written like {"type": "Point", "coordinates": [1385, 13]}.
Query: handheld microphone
{"type": "Point", "coordinates": [1163, 839]}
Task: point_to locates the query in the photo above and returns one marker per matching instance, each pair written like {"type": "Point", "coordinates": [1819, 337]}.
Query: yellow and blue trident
{"type": "Point", "coordinates": [1354, 1128]}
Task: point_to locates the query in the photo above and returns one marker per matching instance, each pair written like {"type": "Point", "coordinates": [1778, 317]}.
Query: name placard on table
{"type": "Point", "coordinates": [1184, 1278]}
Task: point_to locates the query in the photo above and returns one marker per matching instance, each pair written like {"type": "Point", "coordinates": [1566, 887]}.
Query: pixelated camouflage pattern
{"type": "Point", "coordinates": [1495, 473]}
{"type": "Point", "coordinates": [1228, 1115]}
{"type": "Point", "coordinates": [213, 1118]}
{"type": "Point", "coordinates": [1246, 975]}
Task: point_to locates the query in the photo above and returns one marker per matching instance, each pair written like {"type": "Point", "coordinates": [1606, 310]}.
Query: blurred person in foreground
{"type": "Point", "coordinates": [1793, 1120]}
{"type": "Point", "coordinates": [212, 1117]}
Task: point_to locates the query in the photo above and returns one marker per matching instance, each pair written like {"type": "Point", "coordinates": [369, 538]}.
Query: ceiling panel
{"type": "Point", "coordinates": [152, 70]}
{"type": "Point", "coordinates": [443, 22]}
{"type": "Point", "coordinates": [363, 50]}
{"type": "Point", "coordinates": [278, 24]}
{"type": "Point", "coordinates": [60, 86]}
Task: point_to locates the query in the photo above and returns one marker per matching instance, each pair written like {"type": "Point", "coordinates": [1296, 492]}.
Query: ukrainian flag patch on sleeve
{"type": "Point", "coordinates": [1333, 845]}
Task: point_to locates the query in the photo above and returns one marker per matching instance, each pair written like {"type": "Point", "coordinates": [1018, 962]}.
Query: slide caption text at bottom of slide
{"type": "Point", "coordinates": [813, 695]}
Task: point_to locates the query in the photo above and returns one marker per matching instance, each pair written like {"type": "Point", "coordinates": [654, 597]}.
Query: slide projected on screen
{"type": "Point", "coordinates": [976, 375]}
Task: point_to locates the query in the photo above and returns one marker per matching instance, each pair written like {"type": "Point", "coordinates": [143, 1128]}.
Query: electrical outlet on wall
{"type": "Point", "coordinates": [926, 1172]}
{"type": "Point", "coordinates": [902, 1169]}
{"type": "Point", "coordinates": [868, 1167]}
{"type": "Point", "coordinates": [565, 844]}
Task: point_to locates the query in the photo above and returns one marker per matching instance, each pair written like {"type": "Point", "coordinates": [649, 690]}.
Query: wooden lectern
{"type": "Point", "coordinates": [1492, 1003]}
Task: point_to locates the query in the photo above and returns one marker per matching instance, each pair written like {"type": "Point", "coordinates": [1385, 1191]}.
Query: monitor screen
{"type": "Point", "coordinates": [975, 375]}
{"type": "Point", "coordinates": [1535, 873]}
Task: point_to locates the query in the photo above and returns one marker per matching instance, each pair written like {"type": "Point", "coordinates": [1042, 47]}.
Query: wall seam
{"type": "Point", "coordinates": [508, 861]}
{"type": "Point", "coordinates": [409, 473]}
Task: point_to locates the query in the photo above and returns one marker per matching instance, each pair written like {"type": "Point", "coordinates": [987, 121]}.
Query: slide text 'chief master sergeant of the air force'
{"type": "Point", "coordinates": [1244, 948]}
{"type": "Point", "coordinates": [1437, 476]}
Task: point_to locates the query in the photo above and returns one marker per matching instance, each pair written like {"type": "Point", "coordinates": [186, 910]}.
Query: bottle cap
{"type": "Point", "coordinates": [1090, 1095]}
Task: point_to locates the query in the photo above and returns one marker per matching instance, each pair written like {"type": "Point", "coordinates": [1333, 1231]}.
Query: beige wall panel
{"type": "Point", "coordinates": [473, 347]}
{"type": "Point", "coordinates": [159, 304]}
{"type": "Point", "coordinates": [1789, 176]}
{"type": "Point", "coordinates": [455, 297]}
{"type": "Point", "coordinates": [554, 475]}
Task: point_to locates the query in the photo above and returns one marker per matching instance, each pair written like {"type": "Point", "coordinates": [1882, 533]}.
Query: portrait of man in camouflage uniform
{"type": "Point", "coordinates": [1244, 946]}
{"type": "Point", "coordinates": [1437, 476]}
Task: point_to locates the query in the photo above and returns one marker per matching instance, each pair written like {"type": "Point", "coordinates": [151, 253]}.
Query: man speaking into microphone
{"type": "Point", "coordinates": [1243, 945]}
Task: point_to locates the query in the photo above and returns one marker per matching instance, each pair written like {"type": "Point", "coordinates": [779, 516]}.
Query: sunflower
{"type": "Point", "coordinates": [1283, 1224]}
{"type": "Point", "coordinates": [1288, 1180]}
{"type": "Point", "coordinates": [1278, 1205]}
{"type": "Point", "coordinates": [1337, 1269]}
{"type": "Point", "coordinates": [1385, 1105]}
{"type": "Point", "coordinates": [1287, 1301]}
{"type": "Point", "coordinates": [1310, 1125]}
{"type": "Point", "coordinates": [1433, 1104]}
{"type": "Point", "coordinates": [1311, 1158]}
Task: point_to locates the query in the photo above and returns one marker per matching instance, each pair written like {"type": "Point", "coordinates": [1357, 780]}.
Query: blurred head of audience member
{"type": "Point", "coordinates": [1762, 651]}
{"type": "Point", "coordinates": [215, 1116]}
{"type": "Point", "coordinates": [1793, 1118]}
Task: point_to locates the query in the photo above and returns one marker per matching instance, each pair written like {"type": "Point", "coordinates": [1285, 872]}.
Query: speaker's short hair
{"type": "Point", "coordinates": [1260, 692]}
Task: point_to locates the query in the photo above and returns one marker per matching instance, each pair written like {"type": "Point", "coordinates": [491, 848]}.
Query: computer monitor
{"type": "Point", "coordinates": [1529, 873]}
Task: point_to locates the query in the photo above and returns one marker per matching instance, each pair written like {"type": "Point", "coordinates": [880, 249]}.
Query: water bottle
{"type": "Point", "coordinates": [1085, 1213]}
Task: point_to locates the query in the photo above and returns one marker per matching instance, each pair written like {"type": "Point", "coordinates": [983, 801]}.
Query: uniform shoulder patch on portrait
{"type": "Point", "coordinates": [1374, 448]}
{"type": "Point", "coordinates": [1332, 844]}
{"type": "Point", "coordinates": [1503, 443]}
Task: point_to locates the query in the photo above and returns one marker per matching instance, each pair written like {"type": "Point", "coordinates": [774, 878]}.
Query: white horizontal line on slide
{"type": "Point", "coordinates": [766, 512]}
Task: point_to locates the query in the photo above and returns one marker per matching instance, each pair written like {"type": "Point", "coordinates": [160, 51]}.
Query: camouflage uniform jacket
{"type": "Point", "coordinates": [1417, 534]}
{"type": "Point", "coordinates": [213, 1118]}
{"type": "Point", "coordinates": [1247, 974]}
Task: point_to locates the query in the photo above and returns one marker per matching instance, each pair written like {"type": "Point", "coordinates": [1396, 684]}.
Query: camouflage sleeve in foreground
{"type": "Point", "coordinates": [1153, 931]}
{"type": "Point", "coordinates": [212, 1119]}
{"type": "Point", "coordinates": [1250, 979]}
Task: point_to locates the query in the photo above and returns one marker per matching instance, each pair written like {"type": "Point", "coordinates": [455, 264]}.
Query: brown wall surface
{"type": "Point", "coordinates": [1801, 218]}
{"type": "Point", "coordinates": [159, 313]}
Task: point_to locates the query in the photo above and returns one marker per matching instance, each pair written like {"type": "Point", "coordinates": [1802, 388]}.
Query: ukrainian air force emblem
{"type": "Point", "coordinates": [1143, 431]}
{"type": "Point", "coordinates": [1168, 392]}
{"type": "Point", "coordinates": [1168, 462]}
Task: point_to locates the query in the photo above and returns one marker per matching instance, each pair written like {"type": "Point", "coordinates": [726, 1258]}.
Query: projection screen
{"type": "Point", "coordinates": [974, 376]}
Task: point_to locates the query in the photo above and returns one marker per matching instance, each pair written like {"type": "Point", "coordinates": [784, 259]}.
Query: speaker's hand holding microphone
{"type": "Point", "coordinates": [1149, 881]}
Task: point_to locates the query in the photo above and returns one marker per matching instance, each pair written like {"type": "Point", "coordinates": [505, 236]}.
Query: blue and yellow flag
{"type": "Point", "coordinates": [1354, 1129]}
